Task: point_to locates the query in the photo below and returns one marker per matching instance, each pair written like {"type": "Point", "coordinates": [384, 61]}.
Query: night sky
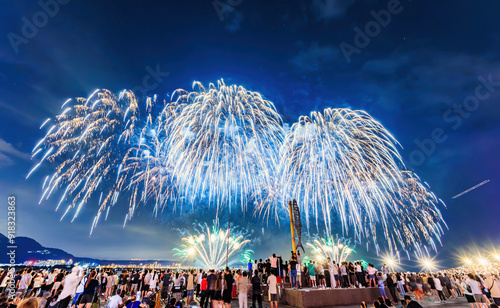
{"type": "Point", "coordinates": [418, 74]}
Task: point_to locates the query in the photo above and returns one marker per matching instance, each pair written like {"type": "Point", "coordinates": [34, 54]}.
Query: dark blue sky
{"type": "Point", "coordinates": [413, 75]}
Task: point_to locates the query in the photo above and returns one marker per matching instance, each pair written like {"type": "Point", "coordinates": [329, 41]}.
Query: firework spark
{"type": "Point", "coordinates": [226, 139]}
{"type": "Point", "coordinates": [212, 247]}
{"type": "Point", "coordinates": [342, 165]}
{"type": "Point", "coordinates": [335, 249]}
{"type": "Point", "coordinates": [226, 146]}
{"type": "Point", "coordinates": [87, 146]}
{"type": "Point", "coordinates": [246, 256]}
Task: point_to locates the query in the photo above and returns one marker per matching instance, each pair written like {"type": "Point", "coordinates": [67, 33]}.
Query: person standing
{"type": "Point", "coordinates": [110, 282]}
{"type": "Point", "coordinates": [242, 285]}
{"type": "Point", "coordinates": [24, 282]}
{"type": "Point", "coordinates": [228, 287]}
{"type": "Point", "coordinates": [273, 288]}
{"type": "Point", "coordinates": [256, 289]}
{"type": "Point", "coordinates": [381, 286]}
{"type": "Point", "coordinates": [312, 273]}
{"type": "Point", "coordinates": [199, 278]}
{"type": "Point", "coordinates": [189, 287]}
{"type": "Point", "coordinates": [299, 257]}
{"type": "Point", "coordinates": [345, 278]}
{"type": "Point", "coordinates": [480, 298]}
{"type": "Point", "coordinates": [203, 290]}
{"type": "Point", "coordinates": [299, 275]}
{"type": "Point", "coordinates": [352, 275]}
{"type": "Point", "coordinates": [385, 270]}
{"type": "Point", "coordinates": [391, 285]}
{"type": "Point", "coordinates": [492, 285]}
{"type": "Point", "coordinates": [268, 269]}
{"type": "Point", "coordinates": [260, 267]}
{"type": "Point", "coordinates": [439, 289]}
{"type": "Point", "coordinates": [254, 267]}
{"type": "Point", "coordinates": [211, 282]}
{"type": "Point", "coordinates": [419, 289]}
{"type": "Point", "coordinates": [57, 282]}
{"type": "Point", "coordinates": [400, 278]}
{"type": "Point", "coordinates": [336, 274]}
{"type": "Point", "coordinates": [293, 272]}
{"type": "Point", "coordinates": [320, 274]}
{"type": "Point", "coordinates": [333, 282]}
{"type": "Point", "coordinates": [285, 270]}
{"type": "Point", "coordinates": [88, 292]}
{"type": "Point", "coordinates": [37, 284]}
{"type": "Point", "coordinates": [70, 282]}
{"type": "Point", "coordinates": [135, 282]}
{"type": "Point", "coordinates": [449, 286]}
{"type": "Point", "coordinates": [167, 282]}
{"type": "Point", "coordinates": [469, 296]}
{"type": "Point", "coordinates": [145, 284]}
{"type": "Point", "coordinates": [360, 274]}
{"type": "Point", "coordinates": [177, 287]}
{"type": "Point", "coordinates": [371, 275]}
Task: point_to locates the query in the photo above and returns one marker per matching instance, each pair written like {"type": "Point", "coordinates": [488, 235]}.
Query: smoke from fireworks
{"type": "Point", "coordinates": [226, 146]}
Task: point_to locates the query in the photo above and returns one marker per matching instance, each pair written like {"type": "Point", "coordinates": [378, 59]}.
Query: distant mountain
{"type": "Point", "coordinates": [30, 250]}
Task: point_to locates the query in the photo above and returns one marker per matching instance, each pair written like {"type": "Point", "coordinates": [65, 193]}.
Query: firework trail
{"type": "Point", "coordinates": [211, 246]}
{"type": "Point", "coordinates": [226, 146]}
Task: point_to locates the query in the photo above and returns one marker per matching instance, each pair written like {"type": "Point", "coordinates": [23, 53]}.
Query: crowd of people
{"type": "Point", "coordinates": [153, 288]}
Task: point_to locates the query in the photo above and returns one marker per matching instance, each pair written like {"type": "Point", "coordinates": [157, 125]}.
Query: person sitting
{"type": "Point", "coordinates": [388, 303]}
{"type": "Point", "coordinates": [173, 303]}
{"type": "Point", "coordinates": [411, 303]}
{"type": "Point", "coordinates": [134, 303]}
{"type": "Point", "coordinates": [382, 302]}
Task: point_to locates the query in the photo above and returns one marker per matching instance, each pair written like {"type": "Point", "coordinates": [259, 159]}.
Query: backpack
{"type": "Point", "coordinates": [469, 290]}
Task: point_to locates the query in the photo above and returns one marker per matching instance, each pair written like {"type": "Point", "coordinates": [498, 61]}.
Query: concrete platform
{"type": "Point", "coordinates": [306, 298]}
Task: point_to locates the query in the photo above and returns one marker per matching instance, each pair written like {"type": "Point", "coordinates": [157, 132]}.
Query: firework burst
{"type": "Point", "coordinates": [342, 165]}
{"type": "Point", "coordinates": [336, 249]}
{"type": "Point", "coordinates": [223, 144]}
{"type": "Point", "coordinates": [87, 146]}
{"type": "Point", "coordinates": [226, 146]}
{"type": "Point", "coordinates": [211, 247]}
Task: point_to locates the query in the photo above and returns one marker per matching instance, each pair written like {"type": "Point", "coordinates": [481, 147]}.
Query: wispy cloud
{"type": "Point", "coordinates": [8, 152]}
{"type": "Point", "coordinates": [233, 22]}
{"type": "Point", "coordinates": [330, 9]}
{"type": "Point", "coordinates": [316, 58]}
